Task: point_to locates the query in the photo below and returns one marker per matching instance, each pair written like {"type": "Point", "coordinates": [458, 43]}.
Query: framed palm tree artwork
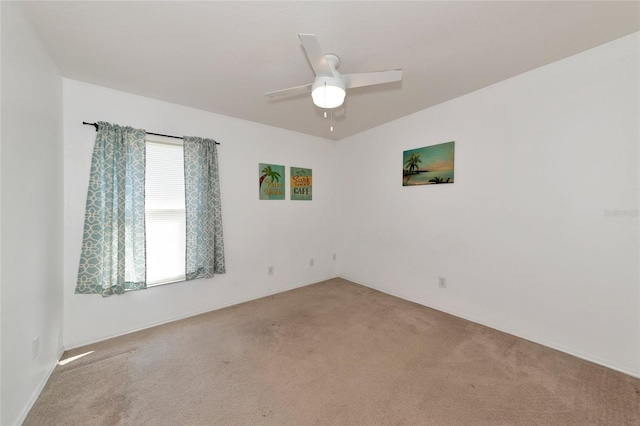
{"type": "Point", "coordinates": [271, 181]}
{"type": "Point", "coordinates": [428, 165]}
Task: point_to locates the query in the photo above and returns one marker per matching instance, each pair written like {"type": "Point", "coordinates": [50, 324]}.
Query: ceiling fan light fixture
{"type": "Point", "coordinates": [328, 92]}
{"type": "Point", "coordinates": [328, 89]}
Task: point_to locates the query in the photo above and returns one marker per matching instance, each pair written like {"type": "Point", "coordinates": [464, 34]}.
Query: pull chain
{"type": "Point", "coordinates": [331, 128]}
{"type": "Point", "coordinates": [325, 104]}
{"type": "Point", "coordinates": [325, 99]}
{"type": "Point", "coordinates": [325, 94]}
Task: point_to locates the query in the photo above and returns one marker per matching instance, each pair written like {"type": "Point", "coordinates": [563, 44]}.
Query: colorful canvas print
{"type": "Point", "coordinates": [428, 165]}
{"type": "Point", "coordinates": [271, 182]}
{"type": "Point", "coordinates": [301, 184]}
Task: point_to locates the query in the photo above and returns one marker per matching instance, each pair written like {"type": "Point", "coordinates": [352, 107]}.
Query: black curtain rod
{"type": "Point", "coordinates": [149, 133]}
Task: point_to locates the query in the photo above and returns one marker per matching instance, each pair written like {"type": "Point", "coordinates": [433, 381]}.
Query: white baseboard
{"type": "Point", "coordinates": [192, 314]}
{"type": "Point", "coordinates": [37, 391]}
{"type": "Point", "coordinates": [542, 342]}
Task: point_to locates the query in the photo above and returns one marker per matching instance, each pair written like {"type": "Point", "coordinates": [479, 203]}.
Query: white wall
{"type": "Point", "coordinates": [285, 234]}
{"type": "Point", "coordinates": [521, 236]}
{"type": "Point", "coordinates": [31, 224]}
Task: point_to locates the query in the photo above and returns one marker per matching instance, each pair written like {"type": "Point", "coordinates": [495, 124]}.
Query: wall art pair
{"type": "Point", "coordinates": [271, 182]}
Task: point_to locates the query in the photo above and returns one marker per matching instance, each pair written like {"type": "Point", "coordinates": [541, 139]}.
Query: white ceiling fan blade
{"type": "Point", "coordinates": [306, 89]}
{"type": "Point", "coordinates": [371, 78]}
{"type": "Point", "coordinates": [315, 54]}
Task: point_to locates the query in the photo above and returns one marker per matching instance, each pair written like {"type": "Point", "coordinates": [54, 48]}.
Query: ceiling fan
{"type": "Point", "coordinates": [328, 88]}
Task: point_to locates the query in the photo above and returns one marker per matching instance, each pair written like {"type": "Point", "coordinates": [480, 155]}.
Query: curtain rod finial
{"type": "Point", "coordinates": [91, 124]}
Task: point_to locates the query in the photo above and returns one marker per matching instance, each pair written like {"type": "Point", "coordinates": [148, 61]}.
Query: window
{"type": "Point", "coordinates": [141, 226]}
{"type": "Point", "coordinates": [165, 211]}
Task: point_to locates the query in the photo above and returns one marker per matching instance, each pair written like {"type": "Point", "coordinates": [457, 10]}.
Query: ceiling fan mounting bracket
{"type": "Point", "coordinates": [333, 60]}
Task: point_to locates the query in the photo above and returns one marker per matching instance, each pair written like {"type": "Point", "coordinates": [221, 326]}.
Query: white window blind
{"type": "Point", "coordinates": [165, 212]}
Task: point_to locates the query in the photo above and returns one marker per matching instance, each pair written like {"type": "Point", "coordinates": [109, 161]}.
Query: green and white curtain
{"type": "Point", "coordinates": [204, 246]}
{"type": "Point", "coordinates": [113, 257]}
{"type": "Point", "coordinates": [113, 247]}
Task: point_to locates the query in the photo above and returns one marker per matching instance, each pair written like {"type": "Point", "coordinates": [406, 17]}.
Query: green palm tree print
{"type": "Point", "coordinates": [270, 185]}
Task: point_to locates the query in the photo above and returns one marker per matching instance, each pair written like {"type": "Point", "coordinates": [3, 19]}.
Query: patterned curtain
{"type": "Point", "coordinates": [204, 246]}
{"type": "Point", "coordinates": [113, 255]}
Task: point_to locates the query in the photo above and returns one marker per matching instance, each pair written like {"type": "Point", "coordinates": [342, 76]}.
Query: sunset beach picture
{"type": "Point", "coordinates": [428, 165]}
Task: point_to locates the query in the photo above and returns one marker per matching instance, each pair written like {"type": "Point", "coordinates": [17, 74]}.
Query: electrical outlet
{"type": "Point", "coordinates": [311, 262]}
{"type": "Point", "coordinates": [270, 270]}
{"type": "Point", "coordinates": [35, 347]}
{"type": "Point", "coordinates": [335, 256]}
{"type": "Point", "coordinates": [442, 282]}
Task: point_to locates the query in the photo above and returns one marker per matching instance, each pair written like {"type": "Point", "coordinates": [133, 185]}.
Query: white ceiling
{"type": "Point", "coordinates": [222, 56]}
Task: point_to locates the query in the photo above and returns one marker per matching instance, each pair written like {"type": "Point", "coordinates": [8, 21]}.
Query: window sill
{"type": "Point", "coordinates": [169, 281]}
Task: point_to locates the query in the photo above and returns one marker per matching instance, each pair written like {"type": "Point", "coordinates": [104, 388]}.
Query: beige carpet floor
{"type": "Point", "coordinates": [333, 353]}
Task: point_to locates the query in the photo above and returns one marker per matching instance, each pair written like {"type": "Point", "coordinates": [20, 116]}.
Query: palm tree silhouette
{"type": "Point", "coordinates": [412, 162]}
{"type": "Point", "coordinates": [270, 173]}
{"type": "Point", "coordinates": [439, 180]}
